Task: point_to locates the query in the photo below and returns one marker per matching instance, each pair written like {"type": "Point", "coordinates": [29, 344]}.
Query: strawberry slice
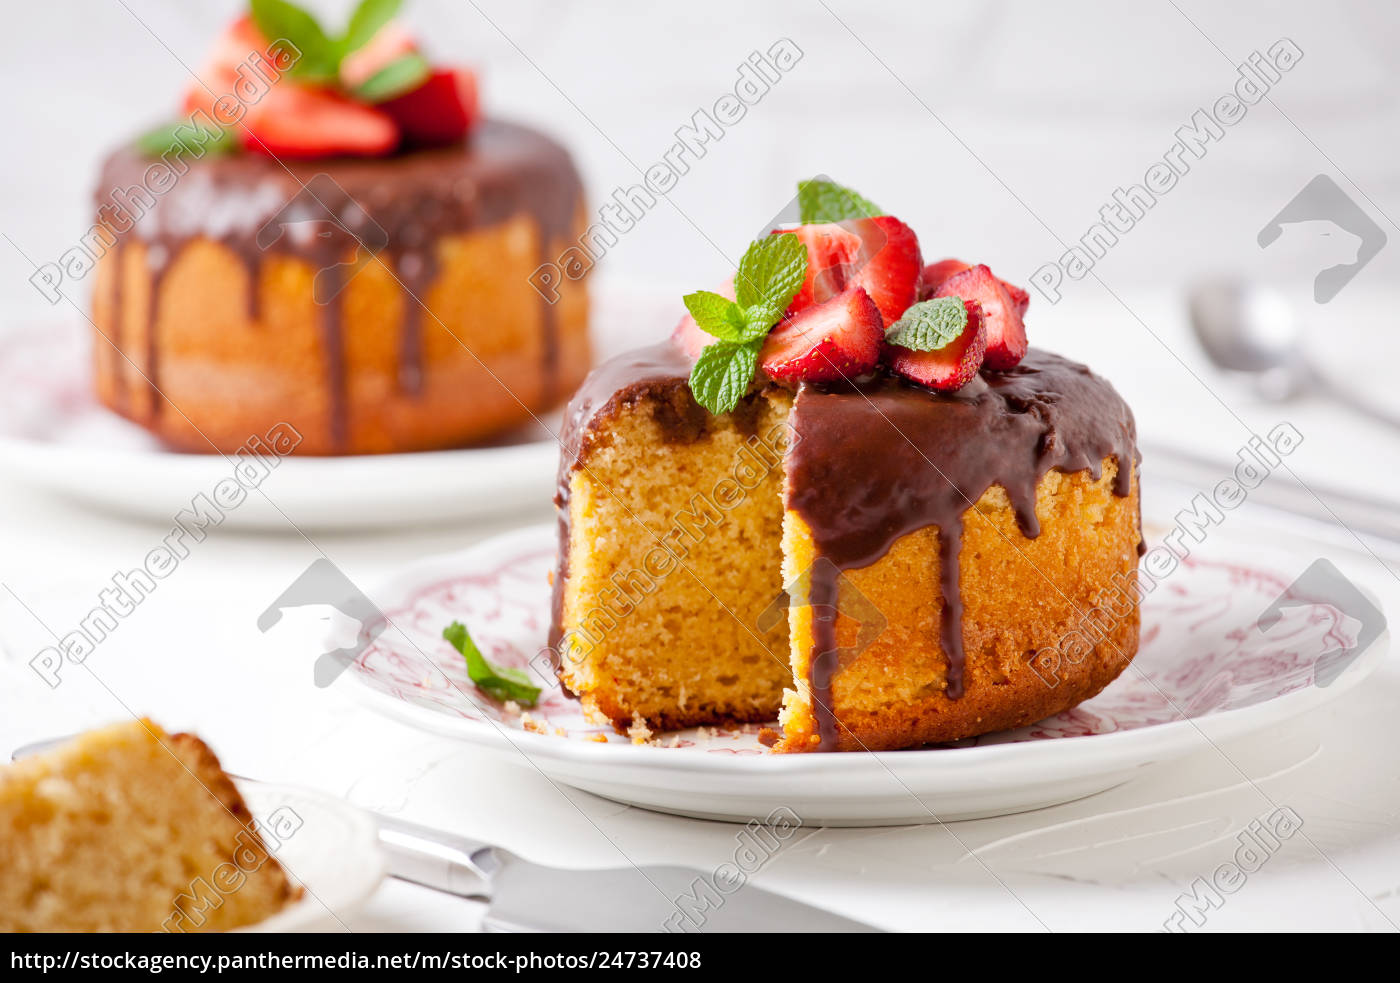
{"type": "Point", "coordinates": [241, 46]}
{"type": "Point", "coordinates": [688, 336]}
{"type": "Point", "coordinates": [440, 111]}
{"type": "Point", "coordinates": [298, 121]}
{"type": "Point", "coordinates": [880, 255]}
{"type": "Point", "coordinates": [1006, 332]}
{"type": "Point", "coordinates": [952, 366]}
{"type": "Point", "coordinates": [837, 339]}
{"type": "Point", "coordinates": [936, 273]}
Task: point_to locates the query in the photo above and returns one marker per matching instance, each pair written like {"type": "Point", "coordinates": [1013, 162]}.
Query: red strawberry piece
{"type": "Point", "coordinates": [833, 250]}
{"type": "Point", "coordinates": [1019, 296]}
{"type": "Point", "coordinates": [390, 43]}
{"type": "Point", "coordinates": [300, 121]}
{"type": "Point", "coordinates": [935, 274]}
{"type": "Point", "coordinates": [1006, 332]}
{"type": "Point", "coordinates": [950, 367]}
{"type": "Point", "coordinates": [837, 339]}
{"type": "Point", "coordinates": [688, 336]}
{"type": "Point", "coordinates": [879, 254]}
{"type": "Point", "coordinates": [440, 111]}
{"type": "Point", "coordinates": [237, 67]}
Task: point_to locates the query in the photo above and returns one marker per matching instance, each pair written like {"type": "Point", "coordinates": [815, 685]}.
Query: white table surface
{"type": "Point", "coordinates": [192, 657]}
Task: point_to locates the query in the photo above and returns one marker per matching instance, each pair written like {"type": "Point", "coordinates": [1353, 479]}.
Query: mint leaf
{"type": "Point", "coordinates": [827, 201]}
{"type": "Point", "coordinates": [497, 682]}
{"type": "Point", "coordinates": [771, 273]}
{"type": "Point", "coordinates": [722, 374]}
{"type": "Point", "coordinates": [279, 20]}
{"type": "Point", "coordinates": [716, 315]}
{"type": "Point", "coordinates": [403, 74]}
{"type": "Point", "coordinates": [185, 137]}
{"type": "Point", "coordinates": [365, 22]}
{"type": "Point", "coordinates": [929, 325]}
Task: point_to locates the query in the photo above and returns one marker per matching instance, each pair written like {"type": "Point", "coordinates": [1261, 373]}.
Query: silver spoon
{"type": "Point", "coordinates": [1246, 327]}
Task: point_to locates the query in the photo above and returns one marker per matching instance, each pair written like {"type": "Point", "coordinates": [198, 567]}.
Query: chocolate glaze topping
{"type": "Point", "coordinates": [873, 461]}
{"type": "Point", "coordinates": [403, 205]}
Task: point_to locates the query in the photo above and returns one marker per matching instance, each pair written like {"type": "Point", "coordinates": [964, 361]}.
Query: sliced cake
{"type": "Point", "coordinates": [131, 829]}
{"type": "Point", "coordinates": [933, 548]}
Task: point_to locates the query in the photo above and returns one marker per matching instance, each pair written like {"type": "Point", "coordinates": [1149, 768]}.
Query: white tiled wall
{"type": "Point", "coordinates": [1021, 113]}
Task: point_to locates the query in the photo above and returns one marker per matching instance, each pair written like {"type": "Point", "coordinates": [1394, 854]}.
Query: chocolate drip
{"type": "Point", "coordinates": [158, 264]}
{"type": "Point", "coordinates": [255, 206]}
{"type": "Point", "coordinates": [416, 271]}
{"type": "Point", "coordinates": [873, 462]}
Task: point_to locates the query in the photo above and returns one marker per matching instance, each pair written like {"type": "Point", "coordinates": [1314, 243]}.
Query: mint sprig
{"type": "Point", "coordinates": [821, 201]}
{"type": "Point", "coordinates": [929, 325]}
{"type": "Point", "coordinates": [498, 682]}
{"type": "Point", "coordinates": [193, 136]}
{"type": "Point", "coordinates": [770, 274]}
{"type": "Point", "coordinates": [320, 54]}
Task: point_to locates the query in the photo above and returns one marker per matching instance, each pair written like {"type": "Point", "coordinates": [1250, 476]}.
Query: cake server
{"type": "Point", "coordinates": [523, 896]}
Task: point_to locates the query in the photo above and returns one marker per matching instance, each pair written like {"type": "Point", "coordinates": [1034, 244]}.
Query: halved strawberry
{"type": "Point", "coordinates": [1006, 332]}
{"type": "Point", "coordinates": [301, 121]}
{"type": "Point", "coordinates": [879, 254]}
{"type": "Point", "coordinates": [952, 366]}
{"type": "Point", "coordinates": [936, 273]}
{"type": "Point", "coordinates": [440, 111]}
{"type": "Point", "coordinates": [240, 49]}
{"type": "Point", "coordinates": [833, 340]}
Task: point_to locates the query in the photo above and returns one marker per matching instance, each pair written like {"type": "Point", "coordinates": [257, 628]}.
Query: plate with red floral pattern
{"type": "Point", "coordinates": [1229, 647]}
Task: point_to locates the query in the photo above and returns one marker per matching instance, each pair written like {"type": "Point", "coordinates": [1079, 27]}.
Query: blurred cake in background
{"type": "Point", "coordinates": [333, 238]}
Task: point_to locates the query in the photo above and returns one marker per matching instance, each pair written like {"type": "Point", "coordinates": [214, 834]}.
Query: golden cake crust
{"type": "Point", "coordinates": [1021, 597]}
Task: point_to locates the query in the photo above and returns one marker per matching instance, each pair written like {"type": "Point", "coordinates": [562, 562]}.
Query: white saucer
{"type": "Point", "coordinates": [333, 855]}
{"type": "Point", "coordinates": [1205, 673]}
{"type": "Point", "coordinates": [56, 437]}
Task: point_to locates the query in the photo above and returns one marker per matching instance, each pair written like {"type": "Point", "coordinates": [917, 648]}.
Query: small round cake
{"type": "Point", "coordinates": [823, 504]}
{"type": "Point", "coordinates": [360, 271]}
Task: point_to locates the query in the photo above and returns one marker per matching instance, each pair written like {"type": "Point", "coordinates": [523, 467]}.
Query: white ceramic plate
{"type": "Point", "coordinates": [56, 437]}
{"type": "Point", "coordinates": [333, 855]}
{"type": "Point", "coordinates": [1205, 672]}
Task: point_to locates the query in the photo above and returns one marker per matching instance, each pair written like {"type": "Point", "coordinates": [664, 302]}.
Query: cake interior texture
{"type": "Point", "coordinates": [130, 829]}
{"type": "Point", "coordinates": [694, 591]}
{"type": "Point", "coordinates": [688, 524]}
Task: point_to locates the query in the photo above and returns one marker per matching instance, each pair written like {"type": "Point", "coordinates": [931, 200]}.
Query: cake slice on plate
{"type": "Point", "coordinates": [881, 518]}
{"type": "Point", "coordinates": [131, 829]}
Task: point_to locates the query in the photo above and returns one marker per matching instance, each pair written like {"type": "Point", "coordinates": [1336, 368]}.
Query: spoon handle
{"type": "Point", "coordinates": [1348, 397]}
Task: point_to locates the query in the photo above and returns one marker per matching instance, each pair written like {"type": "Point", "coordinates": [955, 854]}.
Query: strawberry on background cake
{"type": "Point", "coordinates": [333, 237]}
{"type": "Point", "coordinates": [847, 495]}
